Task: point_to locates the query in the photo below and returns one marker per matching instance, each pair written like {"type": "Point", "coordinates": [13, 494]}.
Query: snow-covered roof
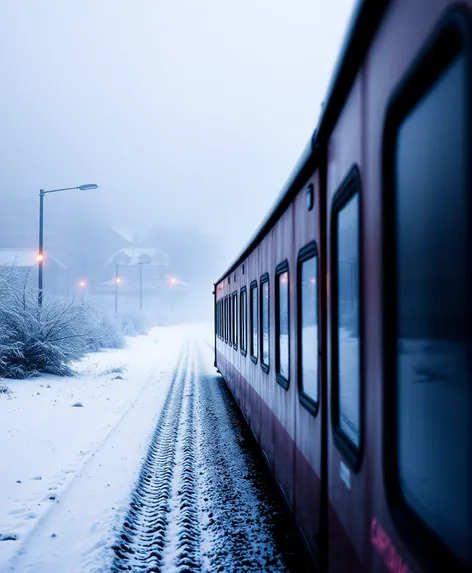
{"type": "Point", "coordinates": [127, 234]}
{"type": "Point", "coordinates": [23, 258]}
{"type": "Point", "coordinates": [135, 255]}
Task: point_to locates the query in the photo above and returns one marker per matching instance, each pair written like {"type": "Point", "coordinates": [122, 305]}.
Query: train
{"type": "Point", "coordinates": [343, 329]}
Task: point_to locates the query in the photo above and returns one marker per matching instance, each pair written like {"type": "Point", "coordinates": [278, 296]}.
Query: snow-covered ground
{"type": "Point", "coordinates": [61, 478]}
{"type": "Point", "coordinates": [150, 471]}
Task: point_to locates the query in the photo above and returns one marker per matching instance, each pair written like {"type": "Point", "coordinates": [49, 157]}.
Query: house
{"type": "Point", "coordinates": [24, 262]}
{"type": "Point", "coordinates": [137, 267]}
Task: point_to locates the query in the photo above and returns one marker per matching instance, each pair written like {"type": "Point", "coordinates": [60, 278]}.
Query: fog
{"type": "Point", "coordinates": [188, 115]}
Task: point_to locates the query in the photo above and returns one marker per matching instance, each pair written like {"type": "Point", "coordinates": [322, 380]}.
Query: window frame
{"type": "Point", "coordinates": [309, 251]}
{"type": "Point", "coordinates": [352, 455]}
{"type": "Point", "coordinates": [230, 320]}
{"type": "Point", "coordinates": [280, 269]}
{"type": "Point", "coordinates": [243, 321]}
{"type": "Point", "coordinates": [264, 279]}
{"type": "Point", "coordinates": [254, 286]}
{"type": "Point", "coordinates": [234, 298]}
{"type": "Point", "coordinates": [451, 38]}
{"type": "Point", "coordinates": [221, 318]}
{"type": "Point", "coordinates": [226, 318]}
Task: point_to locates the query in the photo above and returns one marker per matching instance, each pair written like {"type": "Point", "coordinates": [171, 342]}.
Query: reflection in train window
{"type": "Point", "coordinates": [230, 321]}
{"type": "Point", "coordinates": [243, 320]}
{"type": "Point", "coordinates": [226, 319]}
{"type": "Point", "coordinates": [254, 320]}
{"type": "Point", "coordinates": [308, 326]}
{"type": "Point", "coordinates": [432, 348]}
{"type": "Point", "coordinates": [282, 324]}
{"type": "Point", "coordinates": [346, 329]}
{"type": "Point", "coordinates": [265, 322]}
{"type": "Point", "coordinates": [235, 319]}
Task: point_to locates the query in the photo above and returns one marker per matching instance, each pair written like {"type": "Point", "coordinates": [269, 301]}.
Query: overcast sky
{"type": "Point", "coordinates": [185, 112]}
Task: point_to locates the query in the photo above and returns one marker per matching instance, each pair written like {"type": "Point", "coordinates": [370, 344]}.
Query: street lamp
{"type": "Point", "coordinates": [118, 280]}
{"type": "Point", "coordinates": [141, 283]}
{"type": "Point", "coordinates": [42, 193]}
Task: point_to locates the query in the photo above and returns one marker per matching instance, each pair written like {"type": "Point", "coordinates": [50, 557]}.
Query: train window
{"type": "Point", "coordinates": [282, 326]}
{"type": "Point", "coordinates": [265, 322]}
{"type": "Point", "coordinates": [253, 316]}
{"type": "Point", "coordinates": [346, 372]}
{"type": "Point", "coordinates": [221, 319]}
{"type": "Point", "coordinates": [226, 319]}
{"type": "Point", "coordinates": [308, 328]}
{"type": "Point", "coordinates": [428, 313]}
{"type": "Point", "coordinates": [235, 319]}
{"type": "Point", "coordinates": [243, 320]}
{"type": "Point", "coordinates": [230, 320]}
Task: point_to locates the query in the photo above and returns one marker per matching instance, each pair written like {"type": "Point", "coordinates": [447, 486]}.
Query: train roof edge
{"type": "Point", "coordinates": [363, 25]}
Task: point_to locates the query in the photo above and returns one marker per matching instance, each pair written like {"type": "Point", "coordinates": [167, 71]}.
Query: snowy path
{"type": "Point", "coordinates": [202, 502]}
{"type": "Point", "coordinates": [175, 485]}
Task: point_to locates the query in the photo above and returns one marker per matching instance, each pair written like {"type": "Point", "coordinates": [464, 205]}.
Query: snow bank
{"type": "Point", "coordinates": [46, 444]}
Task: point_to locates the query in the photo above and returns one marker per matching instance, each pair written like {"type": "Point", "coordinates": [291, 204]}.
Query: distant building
{"type": "Point", "coordinates": [24, 262]}
{"type": "Point", "coordinates": [136, 264]}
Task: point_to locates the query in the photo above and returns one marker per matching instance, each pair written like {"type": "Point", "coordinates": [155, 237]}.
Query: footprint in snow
{"type": "Point", "coordinates": [8, 536]}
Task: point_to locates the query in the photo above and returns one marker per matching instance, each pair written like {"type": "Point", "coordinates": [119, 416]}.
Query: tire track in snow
{"type": "Point", "coordinates": [143, 536]}
{"type": "Point", "coordinates": [161, 530]}
{"type": "Point", "coordinates": [183, 549]}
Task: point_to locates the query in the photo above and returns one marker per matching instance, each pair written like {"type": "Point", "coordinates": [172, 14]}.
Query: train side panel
{"type": "Point", "coordinates": [308, 432]}
{"type": "Point", "coordinates": [348, 487]}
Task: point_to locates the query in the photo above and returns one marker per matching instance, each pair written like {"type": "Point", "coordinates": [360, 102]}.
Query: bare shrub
{"type": "Point", "coordinates": [47, 339]}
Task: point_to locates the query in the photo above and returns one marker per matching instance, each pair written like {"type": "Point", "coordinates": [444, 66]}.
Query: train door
{"type": "Point", "coordinates": [348, 491]}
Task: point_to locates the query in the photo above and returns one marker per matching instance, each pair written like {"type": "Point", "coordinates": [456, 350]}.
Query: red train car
{"type": "Point", "coordinates": [344, 327]}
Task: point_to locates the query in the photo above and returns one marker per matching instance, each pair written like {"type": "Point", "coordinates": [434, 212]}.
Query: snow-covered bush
{"type": "Point", "coordinates": [47, 339]}
{"type": "Point", "coordinates": [4, 389]}
{"type": "Point", "coordinates": [108, 332]}
{"type": "Point", "coordinates": [133, 324]}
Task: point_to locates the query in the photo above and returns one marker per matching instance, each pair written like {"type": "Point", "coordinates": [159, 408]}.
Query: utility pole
{"type": "Point", "coordinates": [141, 288]}
{"type": "Point", "coordinates": [40, 251]}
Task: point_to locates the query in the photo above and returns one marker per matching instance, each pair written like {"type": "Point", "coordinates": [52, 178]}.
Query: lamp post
{"type": "Point", "coordinates": [117, 282]}
{"type": "Point", "coordinates": [141, 283]}
{"type": "Point", "coordinates": [42, 193]}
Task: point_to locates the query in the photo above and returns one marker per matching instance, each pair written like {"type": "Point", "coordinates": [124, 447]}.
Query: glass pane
{"type": "Point", "coordinates": [226, 319]}
{"type": "Point", "coordinates": [433, 347]}
{"type": "Point", "coordinates": [282, 366]}
{"type": "Point", "coordinates": [265, 323]}
{"type": "Point", "coordinates": [230, 321]}
{"type": "Point", "coordinates": [254, 322]}
{"type": "Point", "coordinates": [348, 320]}
{"type": "Point", "coordinates": [235, 313]}
{"type": "Point", "coordinates": [243, 320]}
{"type": "Point", "coordinates": [309, 328]}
